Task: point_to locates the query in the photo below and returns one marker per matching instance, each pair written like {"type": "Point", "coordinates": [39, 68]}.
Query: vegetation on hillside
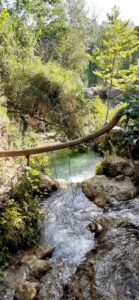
{"type": "Point", "coordinates": [49, 52]}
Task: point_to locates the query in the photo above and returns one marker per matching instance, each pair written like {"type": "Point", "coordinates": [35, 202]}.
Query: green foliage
{"type": "Point", "coordinates": [40, 162]}
{"type": "Point", "coordinates": [73, 46]}
{"type": "Point", "coordinates": [34, 30]}
{"type": "Point", "coordinates": [114, 61]}
{"type": "Point", "coordinates": [99, 168]}
{"type": "Point", "coordinates": [19, 218]}
{"type": "Point", "coordinates": [99, 110]}
{"type": "Point", "coordinates": [108, 157]}
{"type": "Point", "coordinates": [47, 91]}
{"type": "Point", "coordinates": [119, 44]}
{"type": "Point", "coordinates": [131, 111]}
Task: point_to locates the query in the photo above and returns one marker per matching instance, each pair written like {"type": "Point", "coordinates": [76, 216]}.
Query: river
{"type": "Point", "coordinates": [113, 258]}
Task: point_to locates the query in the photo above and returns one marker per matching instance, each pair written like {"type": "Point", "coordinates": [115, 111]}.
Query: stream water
{"type": "Point", "coordinates": [85, 267]}
{"type": "Point", "coordinates": [68, 214]}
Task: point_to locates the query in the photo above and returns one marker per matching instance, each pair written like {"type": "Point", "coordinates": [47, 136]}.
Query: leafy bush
{"type": "Point", "coordinates": [19, 218]}
{"type": "Point", "coordinates": [48, 91]}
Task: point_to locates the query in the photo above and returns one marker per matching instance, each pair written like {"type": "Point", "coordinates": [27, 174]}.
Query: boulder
{"type": "Point", "coordinates": [48, 184]}
{"type": "Point", "coordinates": [117, 166]}
{"type": "Point", "coordinates": [103, 93]}
{"type": "Point", "coordinates": [43, 251]}
{"type": "Point", "coordinates": [108, 190]}
{"type": "Point", "coordinates": [26, 291]}
{"type": "Point", "coordinates": [38, 267]}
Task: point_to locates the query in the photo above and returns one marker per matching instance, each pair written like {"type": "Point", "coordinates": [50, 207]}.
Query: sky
{"type": "Point", "coordinates": [129, 8]}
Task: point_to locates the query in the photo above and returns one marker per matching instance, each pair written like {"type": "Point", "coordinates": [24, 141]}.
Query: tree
{"type": "Point", "coordinates": [32, 88]}
{"type": "Point", "coordinates": [45, 19]}
{"type": "Point", "coordinates": [74, 45]}
{"type": "Point", "coordinates": [118, 46]}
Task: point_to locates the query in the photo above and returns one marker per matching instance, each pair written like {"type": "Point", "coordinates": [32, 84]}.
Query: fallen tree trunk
{"type": "Point", "coordinates": [57, 146]}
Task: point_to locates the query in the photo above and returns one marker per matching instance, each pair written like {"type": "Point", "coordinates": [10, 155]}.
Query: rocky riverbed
{"type": "Point", "coordinates": [93, 248]}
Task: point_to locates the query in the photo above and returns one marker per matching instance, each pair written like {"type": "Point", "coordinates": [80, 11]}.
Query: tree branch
{"type": "Point", "coordinates": [57, 146]}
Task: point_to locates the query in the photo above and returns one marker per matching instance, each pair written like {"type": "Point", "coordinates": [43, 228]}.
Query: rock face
{"type": "Point", "coordinates": [103, 190]}
{"type": "Point", "coordinates": [26, 291]}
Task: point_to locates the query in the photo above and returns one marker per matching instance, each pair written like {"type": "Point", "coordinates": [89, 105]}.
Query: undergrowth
{"type": "Point", "coordinates": [19, 218]}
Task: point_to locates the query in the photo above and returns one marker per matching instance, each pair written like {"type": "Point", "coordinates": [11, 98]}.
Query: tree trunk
{"type": "Point", "coordinates": [57, 146]}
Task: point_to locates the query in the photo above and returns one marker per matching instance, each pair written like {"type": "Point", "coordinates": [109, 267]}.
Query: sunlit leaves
{"type": "Point", "coordinates": [119, 45]}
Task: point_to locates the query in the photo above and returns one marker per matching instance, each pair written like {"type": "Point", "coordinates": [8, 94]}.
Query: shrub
{"type": "Point", "coordinates": [19, 218]}
{"type": "Point", "coordinates": [49, 91]}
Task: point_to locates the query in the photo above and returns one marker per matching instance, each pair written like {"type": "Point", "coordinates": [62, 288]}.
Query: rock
{"type": "Point", "coordinates": [27, 258]}
{"type": "Point", "coordinates": [26, 291]}
{"type": "Point", "coordinates": [108, 189]}
{"type": "Point", "coordinates": [100, 201]}
{"type": "Point", "coordinates": [120, 178]}
{"type": "Point", "coordinates": [47, 183]}
{"type": "Point", "coordinates": [50, 135]}
{"type": "Point", "coordinates": [94, 194]}
{"type": "Point", "coordinates": [4, 196]}
{"type": "Point", "coordinates": [135, 150]}
{"type": "Point", "coordinates": [128, 171]}
{"type": "Point", "coordinates": [117, 166]}
{"type": "Point", "coordinates": [103, 92]}
{"type": "Point", "coordinates": [43, 251]}
{"type": "Point", "coordinates": [95, 227]}
{"type": "Point", "coordinates": [38, 267]}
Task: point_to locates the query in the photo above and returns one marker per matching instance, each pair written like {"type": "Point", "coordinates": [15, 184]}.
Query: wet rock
{"type": "Point", "coordinates": [117, 166]}
{"type": "Point", "coordinates": [96, 228]}
{"type": "Point", "coordinates": [101, 224]}
{"type": "Point", "coordinates": [108, 190]}
{"type": "Point", "coordinates": [110, 271]}
{"type": "Point", "coordinates": [26, 291]}
{"type": "Point", "coordinates": [93, 193]}
{"type": "Point", "coordinates": [43, 251]}
{"type": "Point", "coordinates": [48, 184]}
{"type": "Point", "coordinates": [100, 200]}
{"type": "Point", "coordinates": [38, 267]}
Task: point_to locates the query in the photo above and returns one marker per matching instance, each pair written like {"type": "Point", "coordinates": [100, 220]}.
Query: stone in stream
{"type": "Point", "coordinates": [103, 190]}
{"type": "Point", "coordinates": [43, 251]}
{"type": "Point", "coordinates": [110, 271]}
{"type": "Point", "coordinates": [47, 183]}
{"type": "Point", "coordinates": [26, 291]}
{"type": "Point", "coordinates": [38, 267]}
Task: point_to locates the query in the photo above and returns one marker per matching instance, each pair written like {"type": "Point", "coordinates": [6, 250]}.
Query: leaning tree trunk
{"type": "Point", "coordinates": [57, 146]}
